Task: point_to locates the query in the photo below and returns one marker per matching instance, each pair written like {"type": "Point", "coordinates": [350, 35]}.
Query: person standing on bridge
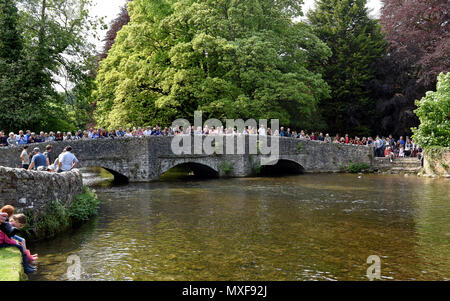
{"type": "Point", "coordinates": [66, 160]}
{"type": "Point", "coordinates": [25, 157]}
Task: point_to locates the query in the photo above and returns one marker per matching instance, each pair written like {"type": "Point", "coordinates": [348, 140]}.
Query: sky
{"type": "Point", "coordinates": [111, 8]}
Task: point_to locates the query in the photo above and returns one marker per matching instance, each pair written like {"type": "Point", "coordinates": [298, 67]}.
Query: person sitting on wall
{"type": "Point", "coordinates": [66, 160]}
{"type": "Point", "coordinates": [8, 209]}
{"type": "Point", "coordinates": [38, 160]}
{"type": "Point", "coordinates": [50, 158]}
{"type": "Point", "coordinates": [18, 221]}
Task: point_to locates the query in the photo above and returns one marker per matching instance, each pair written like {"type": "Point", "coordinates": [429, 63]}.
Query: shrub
{"type": "Point", "coordinates": [84, 206]}
{"type": "Point", "coordinates": [256, 170]}
{"type": "Point", "coordinates": [433, 111]}
{"type": "Point", "coordinates": [358, 167]}
{"type": "Point", "coordinates": [226, 168]}
{"type": "Point", "coordinates": [55, 218]}
{"type": "Point", "coordinates": [48, 223]}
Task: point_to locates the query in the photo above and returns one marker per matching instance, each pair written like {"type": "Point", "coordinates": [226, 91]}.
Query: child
{"type": "Point", "coordinates": [8, 209]}
{"type": "Point", "coordinates": [388, 153]}
{"type": "Point", "coordinates": [401, 152]}
{"type": "Point", "coordinates": [18, 221]}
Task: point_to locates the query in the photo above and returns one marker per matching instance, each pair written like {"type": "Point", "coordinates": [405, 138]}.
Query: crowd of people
{"type": "Point", "coordinates": [383, 146]}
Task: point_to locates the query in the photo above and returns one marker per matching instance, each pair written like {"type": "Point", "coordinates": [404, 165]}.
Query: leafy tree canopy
{"type": "Point", "coordinates": [356, 42]}
{"type": "Point", "coordinates": [44, 48]}
{"type": "Point", "coordinates": [433, 111]}
{"type": "Point", "coordinates": [418, 35]}
{"type": "Point", "coordinates": [231, 59]}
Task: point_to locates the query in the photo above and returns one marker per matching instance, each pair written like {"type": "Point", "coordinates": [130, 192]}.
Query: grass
{"type": "Point", "coordinates": [11, 268]}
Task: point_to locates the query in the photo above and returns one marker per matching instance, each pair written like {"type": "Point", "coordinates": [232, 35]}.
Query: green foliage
{"type": "Point", "coordinates": [12, 73]}
{"type": "Point", "coordinates": [51, 221]}
{"type": "Point", "coordinates": [231, 59]}
{"type": "Point", "coordinates": [300, 147]}
{"type": "Point", "coordinates": [47, 46]}
{"type": "Point", "coordinates": [433, 111]}
{"type": "Point", "coordinates": [435, 152]}
{"type": "Point", "coordinates": [85, 206]}
{"type": "Point", "coordinates": [256, 169]}
{"type": "Point", "coordinates": [356, 42]}
{"type": "Point", "coordinates": [358, 167]}
{"type": "Point", "coordinates": [56, 218]}
{"type": "Point", "coordinates": [10, 40]}
{"type": "Point", "coordinates": [226, 168]}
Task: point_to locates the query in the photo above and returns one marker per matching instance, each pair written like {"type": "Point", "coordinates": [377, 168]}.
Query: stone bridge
{"type": "Point", "coordinates": [143, 159]}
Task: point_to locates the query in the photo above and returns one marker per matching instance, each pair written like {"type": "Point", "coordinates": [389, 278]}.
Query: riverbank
{"type": "Point", "coordinates": [11, 268]}
{"type": "Point", "coordinates": [53, 203]}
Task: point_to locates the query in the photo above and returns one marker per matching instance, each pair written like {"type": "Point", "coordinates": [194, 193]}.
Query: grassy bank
{"type": "Point", "coordinates": [56, 218]}
{"type": "Point", "coordinates": [11, 268]}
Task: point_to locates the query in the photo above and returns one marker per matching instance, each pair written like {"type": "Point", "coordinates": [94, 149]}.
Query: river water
{"type": "Point", "coordinates": [304, 227]}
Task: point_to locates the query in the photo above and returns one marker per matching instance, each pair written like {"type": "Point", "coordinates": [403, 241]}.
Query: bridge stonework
{"type": "Point", "coordinates": [145, 159]}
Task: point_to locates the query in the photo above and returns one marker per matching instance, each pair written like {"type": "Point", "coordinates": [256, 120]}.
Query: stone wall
{"type": "Point", "coordinates": [126, 157]}
{"type": "Point", "coordinates": [34, 189]}
{"type": "Point", "coordinates": [437, 166]}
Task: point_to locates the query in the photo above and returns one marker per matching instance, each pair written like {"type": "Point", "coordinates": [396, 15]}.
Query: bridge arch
{"type": "Point", "coordinates": [121, 175]}
{"type": "Point", "coordinates": [199, 169]}
{"type": "Point", "coordinates": [118, 177]}
{"type": "Point", "coordinates": [282, 167]}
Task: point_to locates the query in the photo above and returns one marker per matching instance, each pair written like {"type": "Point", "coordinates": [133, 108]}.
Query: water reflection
{"type": "Point", "coordinates": [307, 227]}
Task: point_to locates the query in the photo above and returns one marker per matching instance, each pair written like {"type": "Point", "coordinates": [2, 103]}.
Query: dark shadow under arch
{"type": "Point", "coordinates": [283, 167]}
{"type": "Point", "coordinates": [190, 169]}
{"type": "Point", "coordinates": [118, 177]}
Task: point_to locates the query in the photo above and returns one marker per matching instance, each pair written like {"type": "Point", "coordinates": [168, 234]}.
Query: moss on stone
{"type": "Point", "coordinates": [226, 168]}
{"type": "Point", "coordinates": [11, 268]}
{"type": "Point", "coordinates": [358, 167]}
{"type": "Point", "coordinates": [56, 218]}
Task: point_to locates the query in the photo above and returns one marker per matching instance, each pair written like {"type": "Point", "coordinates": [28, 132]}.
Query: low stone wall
{"type": "Point", "coordinates": [34, 189]}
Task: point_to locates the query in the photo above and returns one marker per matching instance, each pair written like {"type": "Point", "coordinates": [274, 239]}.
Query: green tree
{"type": "Point", "coordinates": [10, 40]}
{"type": "Point", "coordinates": [12, 71]}
{"type": "Point", "coordinates": [57, 34]}
{"type": "Point", "coordinates": [433, 111]}
{"type": "Point", "coordinates": [356, 42]}
{"type": "Point", "coordinates": [48, 41]}
{"type": "Point", "coordinates": [231, 59]}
